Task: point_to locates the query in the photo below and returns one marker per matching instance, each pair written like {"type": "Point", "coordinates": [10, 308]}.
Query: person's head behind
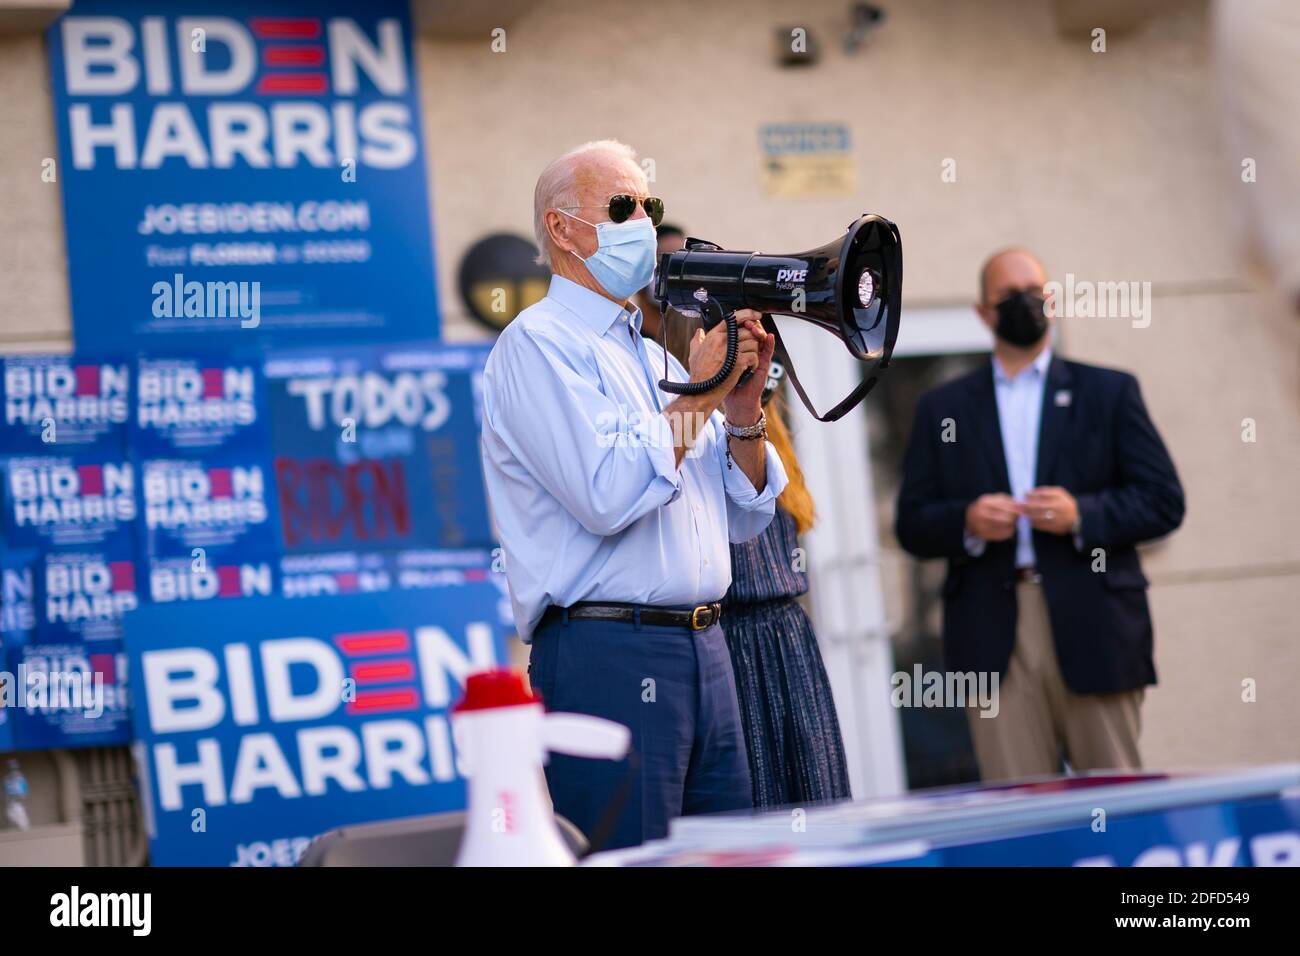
{"type": "Point", "coordinates": [571, 201]}
{"type": "Point", "coordinates": [1012, 298]}
{"type": "Point", "coordinates": [669, 237]}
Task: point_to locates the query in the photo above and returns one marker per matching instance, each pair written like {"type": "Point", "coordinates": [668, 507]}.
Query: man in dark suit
{"type": "Point", "coordinates": [1036, 478]}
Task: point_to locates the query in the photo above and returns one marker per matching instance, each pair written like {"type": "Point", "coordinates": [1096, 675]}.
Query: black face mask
{"type": "Point", "coordinates": [1021, 319]}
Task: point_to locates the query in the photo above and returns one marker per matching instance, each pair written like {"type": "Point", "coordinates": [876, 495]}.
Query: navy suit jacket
{"type": "Point", "coordinates": [1097, 441]}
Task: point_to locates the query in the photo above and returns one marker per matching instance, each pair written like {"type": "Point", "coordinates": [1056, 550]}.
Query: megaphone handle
{"type": "Point", "coordinates": [714, 315]}
{"type": "Point", "coordinates": [733, 333]}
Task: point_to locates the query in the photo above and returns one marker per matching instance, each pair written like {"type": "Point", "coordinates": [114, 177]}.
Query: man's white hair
{"type": "Point", "coordinates": [556, 187]}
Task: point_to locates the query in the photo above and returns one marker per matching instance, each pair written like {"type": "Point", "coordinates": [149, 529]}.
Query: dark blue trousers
{"type": "Point", "coordinates": [674, 688]}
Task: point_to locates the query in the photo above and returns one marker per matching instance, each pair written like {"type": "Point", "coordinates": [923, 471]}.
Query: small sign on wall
{"type": "Point", "coordinates": [806, 160]}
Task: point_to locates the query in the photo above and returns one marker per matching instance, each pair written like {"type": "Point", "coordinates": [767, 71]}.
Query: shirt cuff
{"type": "Point", "coordinates": [741, 490]}
{"type": "Point", "coordinates": [974, 545]}
{"type": "Point", "coordinates": [656, 435]}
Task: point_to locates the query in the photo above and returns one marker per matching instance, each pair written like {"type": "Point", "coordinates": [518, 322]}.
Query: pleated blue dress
{"type": "Point", "coordinates": [796, 754]}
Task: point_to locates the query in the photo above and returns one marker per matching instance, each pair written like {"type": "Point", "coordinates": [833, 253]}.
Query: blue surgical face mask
{"type": "Point", "coordinates": [624, 260]}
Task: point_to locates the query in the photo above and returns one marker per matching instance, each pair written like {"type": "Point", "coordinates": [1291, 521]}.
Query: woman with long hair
{"type": "Point", "coordinates": [796, 754]}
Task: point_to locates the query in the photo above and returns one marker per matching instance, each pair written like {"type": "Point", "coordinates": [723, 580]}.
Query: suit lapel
{"type": "Point", "coordinates": [984, 404]}
{"type": "Point", "coordinates": [1058, 412]}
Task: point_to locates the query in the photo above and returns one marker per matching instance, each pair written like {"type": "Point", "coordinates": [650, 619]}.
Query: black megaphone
{"type": "Point", "coordinates": [851, 286]}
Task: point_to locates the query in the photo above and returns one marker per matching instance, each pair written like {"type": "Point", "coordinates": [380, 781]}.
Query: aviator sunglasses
{"type": "Point", "coordinates": [622, 206]}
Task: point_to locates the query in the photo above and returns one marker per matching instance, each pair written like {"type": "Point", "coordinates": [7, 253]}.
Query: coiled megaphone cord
{"type": "Point", "coordinates": [714, 310]}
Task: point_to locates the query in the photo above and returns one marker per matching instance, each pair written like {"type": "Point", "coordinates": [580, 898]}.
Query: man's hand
{"type": "Point", "coordinates": [1051, 509]}
{"type": "Point", "coordinates": [708, 350]}
{"type": "Point", "coordinates": [744, 404]}
{"type": "Point", "coordinates": [992, 517]}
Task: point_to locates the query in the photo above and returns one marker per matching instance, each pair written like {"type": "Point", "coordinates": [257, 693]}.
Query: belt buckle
{"type": "Point", "coordinates": [695, 617]}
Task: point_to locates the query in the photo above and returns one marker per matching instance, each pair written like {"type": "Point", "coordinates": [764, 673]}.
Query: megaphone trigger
{"type": "Point", "coordinates": [713, 313]}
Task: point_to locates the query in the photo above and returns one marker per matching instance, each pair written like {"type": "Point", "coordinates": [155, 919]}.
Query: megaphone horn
{"type": "Point", "coordinates": [851, 287]}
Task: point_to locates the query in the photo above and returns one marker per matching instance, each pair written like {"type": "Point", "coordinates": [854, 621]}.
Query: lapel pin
{"type": "Point", "coordinates": [1063, 399]}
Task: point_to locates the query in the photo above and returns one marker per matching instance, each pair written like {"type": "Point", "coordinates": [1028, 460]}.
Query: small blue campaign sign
{"type": "Point", "coordinates": [62, 403]}
{"type": "Point", "coordinates": [219, 506]}
{"type": "Point", "coordinates": [61, 502]}
{"type": "Point", "coordinates": [193, 405]}
{"type": "Point", "coordinates": [68, 695]}
{"type": "Point", "coordinates": [263, 723]}
{"type": "Point", "coordinates": [61, 656]}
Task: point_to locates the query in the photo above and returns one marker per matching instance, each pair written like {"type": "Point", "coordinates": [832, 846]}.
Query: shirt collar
{"type": "Point", "coordinates": [598, 312]}
{"type": "Point", "coordinates": [1036, 369]}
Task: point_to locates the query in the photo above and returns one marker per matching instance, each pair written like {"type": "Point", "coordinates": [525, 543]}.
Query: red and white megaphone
{"type": "Point", "coordinates": [503, 736]}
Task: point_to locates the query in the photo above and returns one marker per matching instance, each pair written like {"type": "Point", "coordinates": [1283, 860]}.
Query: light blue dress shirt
{"type": "Point", "coordinates": [1020, 412]}
{"type": "Point", "coordinates": [587, 499]}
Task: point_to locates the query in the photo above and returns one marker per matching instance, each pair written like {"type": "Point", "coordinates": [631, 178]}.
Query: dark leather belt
{"type": "Point", "coordinates": [696, 618]}
{"type": "Point", "coordinates": [1028, 573]}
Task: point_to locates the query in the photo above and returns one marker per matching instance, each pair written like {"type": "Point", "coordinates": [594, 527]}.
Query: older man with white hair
{"type": "Point", "coordinates": [615, 502]}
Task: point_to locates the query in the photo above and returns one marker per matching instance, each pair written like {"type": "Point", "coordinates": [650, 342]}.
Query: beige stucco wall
{"type": "Point", "coordinates": [33, 262]}
{"type": "Point", "coordinates": [1108, 164]}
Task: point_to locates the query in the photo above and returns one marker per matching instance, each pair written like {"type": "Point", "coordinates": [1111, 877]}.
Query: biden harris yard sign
{"type": "Point", "coordinates": [243, 173]}
{"type": "Point", "coordinates": [263, 723]}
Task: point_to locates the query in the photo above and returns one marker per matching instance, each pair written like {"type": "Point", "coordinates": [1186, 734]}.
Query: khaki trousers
{"type": "Point", "coordinates": [1040, 720]}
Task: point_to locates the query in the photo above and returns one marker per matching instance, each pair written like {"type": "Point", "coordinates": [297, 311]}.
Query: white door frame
{"type": "Point", "coordinates": [843, 551]}
{"type": "Point", "coordinates": [846, 590]}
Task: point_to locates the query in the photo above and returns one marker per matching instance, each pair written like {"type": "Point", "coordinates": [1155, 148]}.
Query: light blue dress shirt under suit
{"type": "Point", "coordinates": [1020, 412]}
{"type": "Point", "coordinates": [579, 464]}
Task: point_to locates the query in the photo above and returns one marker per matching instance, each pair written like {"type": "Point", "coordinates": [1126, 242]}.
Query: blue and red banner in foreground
{"type": "Point", "coordinates": [265, 722]}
